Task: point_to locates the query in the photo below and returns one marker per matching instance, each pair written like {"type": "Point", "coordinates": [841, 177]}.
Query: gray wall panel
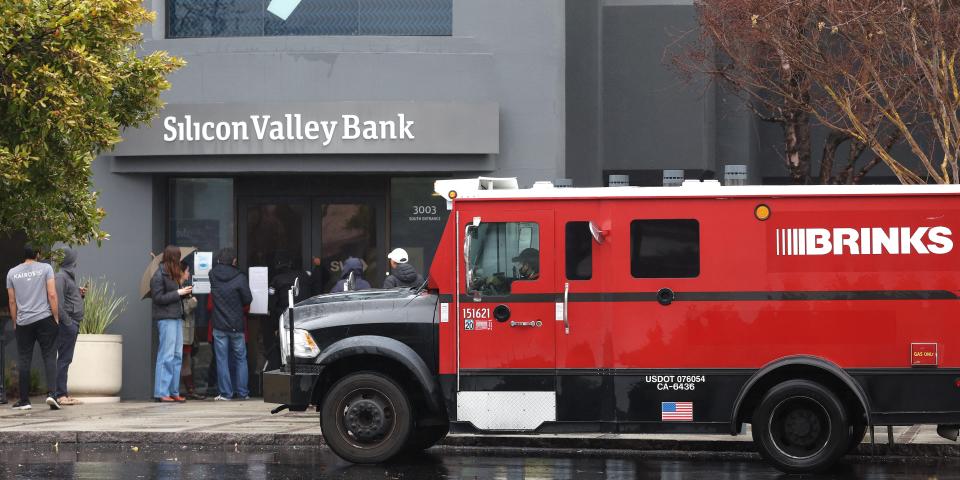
{"type": "Point", "coordinates": [584, 93]}
{"type": "Point", "coordinates": [129, 203]}
{"type": "Point", "coordinates": [651, 118]}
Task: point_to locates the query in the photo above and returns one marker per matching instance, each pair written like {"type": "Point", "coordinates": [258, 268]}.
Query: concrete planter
{"type": "Point", "coordinates": [96, 373]}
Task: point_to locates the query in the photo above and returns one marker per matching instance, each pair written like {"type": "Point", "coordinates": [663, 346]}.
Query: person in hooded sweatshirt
{"type": "Point", "coordinates": [402, 274]}
{"type": "Point", "coordinates": [230, 292]}
{"type": "Point", "coordinates": [70, 302]}
{"type": "Point", "coordinates": [347, 283]}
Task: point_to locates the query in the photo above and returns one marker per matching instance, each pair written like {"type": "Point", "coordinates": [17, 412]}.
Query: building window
{"type": "Point", "coordinates": [665, 248]}
{"type": "Point", "coordinates": [201, 213]}
{"type": "Point", "coordinates": [246, 18]}
{"type": "Point", "coordinates": [579, 246]}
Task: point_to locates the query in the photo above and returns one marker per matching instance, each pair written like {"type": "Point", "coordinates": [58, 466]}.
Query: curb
{"type": "Point", "coordinates": [677, 447]}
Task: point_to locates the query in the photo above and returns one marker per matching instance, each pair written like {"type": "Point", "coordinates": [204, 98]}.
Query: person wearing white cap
{"type": "Point", "coordinates": [402, 274]}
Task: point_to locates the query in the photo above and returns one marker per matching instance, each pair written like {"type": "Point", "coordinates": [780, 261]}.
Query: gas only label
{"type": "Point", "coordinates": [675, 382]}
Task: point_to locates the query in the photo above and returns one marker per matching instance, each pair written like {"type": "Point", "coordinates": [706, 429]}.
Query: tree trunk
{"type": "Point", "coordinates": [796, 133]}
{"type": "Point", "coordinates": [830, 146]}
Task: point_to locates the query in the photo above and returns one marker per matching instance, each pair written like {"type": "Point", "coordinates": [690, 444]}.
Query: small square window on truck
{"type": "Point", "coordinates": [579, 251]}
{"type": "Point", "coordinates": [665, 248]}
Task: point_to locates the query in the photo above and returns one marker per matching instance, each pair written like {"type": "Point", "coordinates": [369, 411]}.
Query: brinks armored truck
{"type": "Point", "coordinates": [810, 313]}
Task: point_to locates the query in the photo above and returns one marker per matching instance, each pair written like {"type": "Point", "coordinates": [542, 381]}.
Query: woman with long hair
{"type": "Point", "coordinates": [168, 295]}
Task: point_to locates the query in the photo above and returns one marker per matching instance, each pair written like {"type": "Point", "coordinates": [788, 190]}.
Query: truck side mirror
{"type": "Point", "coordinates": [597, 233]}
{"type": "Point", "coordinates": [296, 287]}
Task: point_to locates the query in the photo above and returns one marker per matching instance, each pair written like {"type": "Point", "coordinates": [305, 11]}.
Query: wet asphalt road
{"type": "Point", "coordinates": [244, 462]}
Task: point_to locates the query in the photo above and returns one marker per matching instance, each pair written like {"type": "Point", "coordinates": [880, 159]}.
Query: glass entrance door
{"type": "Point", "coordinates": [314, 235]}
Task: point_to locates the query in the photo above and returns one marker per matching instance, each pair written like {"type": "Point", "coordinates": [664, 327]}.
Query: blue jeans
{"type": "Point", "coordinates": [231, 352]}
{"type": "Point", "coordinates": [166, 381]}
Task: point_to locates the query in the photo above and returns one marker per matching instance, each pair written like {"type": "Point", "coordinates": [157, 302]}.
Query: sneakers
{"type": "Point", "coordinates": [221, 398]}
{"type": "Point", "coordinates": [53, 403]}
{"type": "Point", "coordinates": [22, 406]}
{"type": "Point", "coordinates": [245, 397]}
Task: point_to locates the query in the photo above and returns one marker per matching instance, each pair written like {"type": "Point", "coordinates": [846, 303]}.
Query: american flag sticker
{"type": "Point", "coordinates": [676, 411]}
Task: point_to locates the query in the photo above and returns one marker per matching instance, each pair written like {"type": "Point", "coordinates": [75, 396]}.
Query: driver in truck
{"type": "Point", "coordinates": [528, 264]}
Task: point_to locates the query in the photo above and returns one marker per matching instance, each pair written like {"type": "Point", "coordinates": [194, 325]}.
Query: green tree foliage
{"type": "Point", "coordinates": [70, 80]}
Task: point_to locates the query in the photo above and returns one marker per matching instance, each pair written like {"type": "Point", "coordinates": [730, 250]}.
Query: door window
{"type": "Point", "coordinates": [665, 248]}
{"type": "Point", "coordinates": [579, 251]}
{"type": "Point", "coordinates": [502, 253]}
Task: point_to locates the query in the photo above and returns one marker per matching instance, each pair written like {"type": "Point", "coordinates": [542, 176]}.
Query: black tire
{"type": "Point", "coordinates": [800, 426]}
{"type": "Point", "coordinates": [366, 418]}
{"type": "Point", "coordinates": [857, 433]}
{"type": "Point", "coordinates": [426, 437]}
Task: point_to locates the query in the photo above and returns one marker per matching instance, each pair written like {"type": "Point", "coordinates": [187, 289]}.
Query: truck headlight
{"type": "Point", "coordinates": [303, 344]}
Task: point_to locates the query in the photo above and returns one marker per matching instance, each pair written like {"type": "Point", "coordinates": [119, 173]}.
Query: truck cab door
{"type": "Point", "coordinates": [505, 314]}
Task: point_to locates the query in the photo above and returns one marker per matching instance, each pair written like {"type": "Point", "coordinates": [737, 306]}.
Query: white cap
{"type": "Point", "coordinates": [398, 255]}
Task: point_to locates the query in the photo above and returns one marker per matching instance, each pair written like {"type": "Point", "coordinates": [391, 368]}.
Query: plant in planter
{"type": "Point", "coordinates": [101, 307]}
{"type": "Point", "coordinates": [96, 371]}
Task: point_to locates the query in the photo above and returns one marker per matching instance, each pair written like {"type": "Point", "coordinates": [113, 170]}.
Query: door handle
{"type": "Point", "coordinates": [531, 323]}
{"type": "Point", "coordinates": [566, 301]}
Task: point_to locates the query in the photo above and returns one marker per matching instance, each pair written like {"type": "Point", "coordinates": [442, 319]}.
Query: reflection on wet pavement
{"type": "Point", "coordinates": [243, 462]}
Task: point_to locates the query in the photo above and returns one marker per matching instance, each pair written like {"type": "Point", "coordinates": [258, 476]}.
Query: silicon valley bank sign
{"type": "Point", "coordinates": [317, 128]}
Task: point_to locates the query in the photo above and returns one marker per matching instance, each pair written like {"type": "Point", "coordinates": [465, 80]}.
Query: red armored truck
{"type": "Point", "coordinates": [810, 313]}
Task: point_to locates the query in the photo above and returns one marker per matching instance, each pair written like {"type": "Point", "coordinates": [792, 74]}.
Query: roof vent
{"type": "Point", "coordinates": [672, 178]}
{"type": "Point", "coordinates": [542, 184]}
{"type": "Point", "coordinates": [735, 175]}
{"type": "Point", "coordinates": [563, 183]}
{"type": "Point", "coordinates": [618, 181]}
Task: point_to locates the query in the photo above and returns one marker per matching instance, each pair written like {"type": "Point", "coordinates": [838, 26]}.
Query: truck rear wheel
{"type": "Point", "coordinates": [800, 426]}
{"type": "Point", "coordinates": [366, 418]}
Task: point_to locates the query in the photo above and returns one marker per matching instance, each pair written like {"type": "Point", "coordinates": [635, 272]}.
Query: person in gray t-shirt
{"type": "Point", "coordinates": [33, 303]}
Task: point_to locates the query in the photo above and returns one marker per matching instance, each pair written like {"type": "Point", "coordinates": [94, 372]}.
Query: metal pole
{"type": "Point", "coordinates": [3, 363]}
{"type": "Point", "coordinates": [293, 357]}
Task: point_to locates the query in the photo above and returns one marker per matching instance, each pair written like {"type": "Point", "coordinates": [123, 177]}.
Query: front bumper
{"type": "Point", "coordinates": [280, 387]}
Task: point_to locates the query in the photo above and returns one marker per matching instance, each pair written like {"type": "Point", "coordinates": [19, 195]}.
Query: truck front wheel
{"type": "Point", "coordinates": [366, 418]}
{"type": "Point", "coordinates": [801, 426]}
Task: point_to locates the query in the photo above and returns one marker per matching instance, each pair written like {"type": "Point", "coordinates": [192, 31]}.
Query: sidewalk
{"type": "Point", "coordinates": [250, 423]}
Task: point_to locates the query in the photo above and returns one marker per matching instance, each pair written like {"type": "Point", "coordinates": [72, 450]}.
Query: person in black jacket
{"type": "Point", "coordinates": [281, 284]}
{"type": "Point", "coordinates": [70, 301]}
{"type": "Point", "coordinates": [352, 277]}
{"type": "Point", "coordinates": [231, 292]}
{"type": "Point", "coordinates": [402, 274]}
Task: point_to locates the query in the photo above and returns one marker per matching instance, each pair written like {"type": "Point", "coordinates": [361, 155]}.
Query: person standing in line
{"type": "Point", "coordinates": [189, 332]}
{"type": "Point", "coordinates": [168, 296]}
{"type": "Point", "coordinates": [352, 277]}
{"type": "Point", "coordinates": [402, 274]}
{"type": "Point", "coordinates": [230, 293]}
{"type": "Point", "coordinates": [70, 301]}
{"type": "Point", "coordinates": [33, 305]}
{"type": "Point", "coordinates": [282, 282]}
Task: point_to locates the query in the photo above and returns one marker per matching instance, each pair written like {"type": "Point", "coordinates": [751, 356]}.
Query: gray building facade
{"type": "Point", "coordinates": [485, 98]}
